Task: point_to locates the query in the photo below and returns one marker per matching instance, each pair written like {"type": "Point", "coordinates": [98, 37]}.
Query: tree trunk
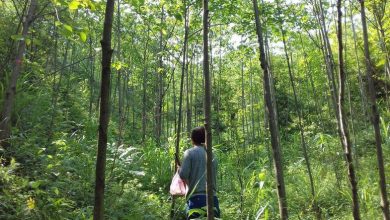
{"type": "Point", "coordinates": [308, 73]}
{"type": "Point", "coordinates": [189, 85]}
{"type": "Point", "coordinates": [98, 211]}
{"type": "Point", "coordinates": [56, 92]}
{"type": "Point", "coordinates": [160, 72]}
{"type": "Point", "coordinates": [91, 79]}
{"type": "Point", "coordinates": [277, 157]}
{"type": "Point", "coordinates": [180, 116]}
{"type": "Point", "coordinates": [379, 12]}
{"type": "Point", "coordinates": [9, 99]}
{"type": "Point", "coordinates": [362, 88]}
{"type": "Point", "coordinates": [207, 112]}
{"type": "Point", "coordinates": [342, 120]}
{"type": "Point", "coordinates": [300, 125]}
{"type": "Point", "coordinates": [252, 105]}
{"type": "Point", "coordinates": [144, 84]}
{"type": "Point", "coordinates": [218, 84]}
{"type": "Point", "coordinates": [121, 121]}
{"type": "Point", "coordinates": [375, 117]}
{"type": "Point", "coordinates": [243, 104]}
{"type": "Point", "coordinates": [327, 52]}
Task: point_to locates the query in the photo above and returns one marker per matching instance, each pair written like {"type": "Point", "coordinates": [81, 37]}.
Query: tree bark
{"type": "Point", "coordinates": [160, 72]}
{"type": "Point", "coordinates": [121, 117]}
{"type": "Point", "coordinates": [180, 113]}
{"type": "Point", "coordinates": [379, 12]}
{"type": "Point", "coordinates": [327, 52]}
{"type": "Point", "coordinates": [243, 103]}
{"type": "Point", "coordinates": [9, 99]}
{"type": "Point", "coordinates": [342, 120]}
{"type": "Point", "coordinates": [300, 124]}
{"type": "Point", "coordinates": [362, 89]}
{"type": "Point", "coordinates": [144, 84]}
{"type": "Point", "coordinates": [207, 112]}
{"type": "Point", "coordinates": [277, 157]}
{"type": "Point", "coordinates": [375, 117]}
{"type": "Point", "coordinates": [98, 211]}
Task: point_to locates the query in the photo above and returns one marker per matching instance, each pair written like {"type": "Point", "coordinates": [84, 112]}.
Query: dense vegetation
{"type": "Point", "coordinates": [48, 157]}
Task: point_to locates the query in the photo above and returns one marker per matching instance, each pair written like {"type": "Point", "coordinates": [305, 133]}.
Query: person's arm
{"type": "Point", "coordinates": [185, 169]}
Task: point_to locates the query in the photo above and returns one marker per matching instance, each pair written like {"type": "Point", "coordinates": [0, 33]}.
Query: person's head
{"type": "Point", "coordinates": [198, 136]}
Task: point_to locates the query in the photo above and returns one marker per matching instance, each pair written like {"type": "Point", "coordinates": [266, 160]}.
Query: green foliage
{"type": "Point", "coordinates": [54, 126]}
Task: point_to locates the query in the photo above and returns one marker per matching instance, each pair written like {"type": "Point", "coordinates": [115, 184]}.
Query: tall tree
{"type": "Point", "coordinates": [121, 117]}
{"type": "Point", "coordinates": [326, 51]}
{"type": "Point", "coordinates": [300, 116]}
{"type": "Point", "coordinates": [98, 211]}
{"type": "Point", "coordinates": [9, 99]}
{"type": "Point", "coordinates": [160, 73]}
{"type": "Point", "coordinates": [144, 85]}
{"type": "Point", "coordinates": [207, 112]}
{"type": "Point", "coordinates": [342, 120]}
{"type": "Point", "coordinates": [362, 88]}
{"type": "Point", "coordinates": [374, 117]}
{"type": "Point", "coordinates": [277, 157]}
{"type": "Point", "coordinates": [183, 68]}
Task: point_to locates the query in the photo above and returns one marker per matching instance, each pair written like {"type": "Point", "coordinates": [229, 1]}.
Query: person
{"type": "Point", "coordinates": [193, 172]}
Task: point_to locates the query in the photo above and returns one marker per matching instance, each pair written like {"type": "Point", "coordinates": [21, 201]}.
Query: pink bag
{"type": "Point", "coordinates": [178, 186]}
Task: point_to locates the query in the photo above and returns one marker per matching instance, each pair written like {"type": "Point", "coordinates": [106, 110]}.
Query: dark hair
{"type": "Point", "coordinates": [198, 135]}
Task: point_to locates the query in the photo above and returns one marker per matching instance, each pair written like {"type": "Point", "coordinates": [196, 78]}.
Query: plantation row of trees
{"type": "Point", "coordinates": [293, 94]}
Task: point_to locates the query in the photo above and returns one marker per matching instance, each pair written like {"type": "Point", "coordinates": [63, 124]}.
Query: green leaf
{"type": "Point", "coordinates": [117, 65]}
{"type": "Point", "coordinates": [74, 5]}
{"type": "Point", "coordinates": [57, 23]}
{"type": "Point", "coordinates": [262, 176]}
{"type": "Point", "coordinates": [178, 16]}
{"type": "Point", "coordinates": [83, 36]}
{"type": "Point", "coordinates": [164, 32]}
{"type": "Point", "coordinates": [56, 191]}
{"type": "Point", "coordinates": [60, 142]}
{"type": "Point", "coordinates": [200, 211]}
{"type": "Point", "coordinates": [92, 6]}
{"type": "Point", "coordinates": [35, 184]}
{"type": "Point", "coordinates": [68, 28]}
{"type": "Point", "coordinates": [17, 37]}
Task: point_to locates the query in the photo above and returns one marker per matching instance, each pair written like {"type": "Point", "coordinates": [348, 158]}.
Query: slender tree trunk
{"type": "Point", "coordinates": [121, 118]}
{"type": "Point", "coordinates": [98, 211]}
{"type": "Point", "coordinates": [327, 52]}
{"type": "Point", "coordinates": [277, 157]}
{"type": "Point", "coordinates": [351, 113]}
{"type": "Point", "coordinates": [56, 92]}
{"type": "Point", "coordinates": [218, 101]}
{"type": "Point", "coordinates": [243, 104]}
{"type": "Point", "coordinates": [308, 73]}
{"type": "Point", "coordinates": [375, 117]}
{"type": "Point", "coordinates": [160, 73]}
{"type": "Point", "coordinates": [196, 93]}
{"type": "Point", "coordinates": [144, 84]}
{"type": "Point", "coordinates": [183, 68]}
{"type": "Point", "coordinates": [273, 100]}
{"type": "Point", "coordinates": [9, 99]}
{"type": "Point", "coordinates": [187, 92]}
{"type": "Point", "coordinates": [207, 112]}
{"type": "Point", "coordinates": [300, 125]}
{"type": "Point", "coordinates": [91, 79]}
{"type": "Point", "coordinates": [343, 128]}
{"type": "Point", "coordinates": [252, 104]}
{"type": "Point", "coordinates": [121, 122]}
{"type": "Point", "coordinates": [189, 83]}
{"type": "Point", "coordinates": [379, 14]}
{"type": "Point", "coordinates": [362, 88]}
